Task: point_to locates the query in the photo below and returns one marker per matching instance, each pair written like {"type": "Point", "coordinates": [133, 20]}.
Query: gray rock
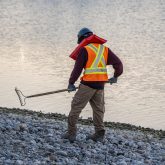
{"type": "Point", "coordinates": [123, 162]}
{"type": "Point", "coordinates": [147, 161]}
{"type": "Point", "coordinates": [140, 144]}
{"type": "Point", "coordinates": [33, 142]}
{"type": "Point", "coordinates": [23, 127]}
{"type": "Point", "coordinates": [88, 154]}
{"type": "Point", "coordinates": [39, 140]}
{"type": "Point", "coordinates": [81, 137]}
{"type": "Point", "coordinates": [48, 147]}
{"type": "Point", "coordinates": [37, 162]}
{"type": "Point", "coordinates": [53, 157]}
{"type": "Point", "coordinates": [63, 153]}
{"type": "Point", "coordinates": [136, 162]}
{"type": "Point", "coordinates": [8, 161]}
{"type": "Point", "coordinates": [19, 162]}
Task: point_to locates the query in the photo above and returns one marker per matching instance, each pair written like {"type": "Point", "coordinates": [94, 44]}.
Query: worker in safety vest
{"type": "Point", "coordinates": [93, 58]}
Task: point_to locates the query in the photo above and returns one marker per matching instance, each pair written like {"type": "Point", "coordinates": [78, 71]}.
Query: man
{"type": "Point", "coordinates": [93, 58]}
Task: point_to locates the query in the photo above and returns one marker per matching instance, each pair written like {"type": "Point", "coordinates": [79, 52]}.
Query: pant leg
{"type": "Point", "coordinates": [98, 105]}
{"type": "Point", "coordinates": [80, 100]}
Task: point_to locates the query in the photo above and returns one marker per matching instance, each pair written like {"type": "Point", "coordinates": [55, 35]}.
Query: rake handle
{"type": "Point", "coordinates": [48, 93]}
{"type": "Point", "coordinates": [22, 97]}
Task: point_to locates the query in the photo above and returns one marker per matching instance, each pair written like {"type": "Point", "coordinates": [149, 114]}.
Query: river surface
{"type": "Point", "coordinates": [36, 38]}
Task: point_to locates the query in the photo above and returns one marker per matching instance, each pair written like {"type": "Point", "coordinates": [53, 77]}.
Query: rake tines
{"type": "Point", "coordinates": [21, 97]}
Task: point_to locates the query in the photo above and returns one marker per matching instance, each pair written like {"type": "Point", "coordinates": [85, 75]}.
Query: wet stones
{"type": "Point", "coordinates": [32, 140]}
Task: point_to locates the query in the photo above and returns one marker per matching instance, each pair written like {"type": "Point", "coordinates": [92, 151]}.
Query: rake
{"type": "Point", "coordinates": [22, 97]}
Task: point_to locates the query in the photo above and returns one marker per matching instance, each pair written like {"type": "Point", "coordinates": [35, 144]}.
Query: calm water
{"type": "Point", "coordinates": [36, 38]}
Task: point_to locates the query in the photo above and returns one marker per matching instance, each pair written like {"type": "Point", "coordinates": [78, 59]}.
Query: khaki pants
{"type": "Point", "coordinates": [84, 95]}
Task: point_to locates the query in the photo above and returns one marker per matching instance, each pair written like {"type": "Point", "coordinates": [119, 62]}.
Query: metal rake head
{"type": "Point", "coordinates": [21, 97]}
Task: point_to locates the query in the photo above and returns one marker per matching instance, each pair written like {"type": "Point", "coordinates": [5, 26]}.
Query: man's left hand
{"type": "Point", "coordinates": [112, 80]}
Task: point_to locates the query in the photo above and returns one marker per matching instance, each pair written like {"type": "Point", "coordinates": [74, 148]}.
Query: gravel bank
{"type": "Point", "coordinates": [28, 138]}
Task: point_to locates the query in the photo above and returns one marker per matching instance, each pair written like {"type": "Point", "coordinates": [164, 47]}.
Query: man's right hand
{"type": "Point", "coordinates": [71, 87]}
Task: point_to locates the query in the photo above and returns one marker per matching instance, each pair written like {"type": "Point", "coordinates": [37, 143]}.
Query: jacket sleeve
{"type": "Point", "coordinates": [116, 63]}
{"type": "Point", "coordinates": [79, 65]}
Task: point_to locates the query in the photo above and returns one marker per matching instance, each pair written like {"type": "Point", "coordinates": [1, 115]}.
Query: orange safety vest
{"type": "Point", "coordinates": [95, 69]}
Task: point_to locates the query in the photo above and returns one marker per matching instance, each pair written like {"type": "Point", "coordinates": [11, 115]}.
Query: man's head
{"type": "Point", "coordinates": [83, 33]}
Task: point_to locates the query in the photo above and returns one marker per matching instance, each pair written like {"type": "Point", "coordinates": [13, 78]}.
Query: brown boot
{"type": "Point", "coordinates": [70, 136]}
{"type": "Point", "coordinates": [97, 136]}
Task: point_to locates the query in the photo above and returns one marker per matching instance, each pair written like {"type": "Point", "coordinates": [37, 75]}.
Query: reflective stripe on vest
{"type": "Point", "coordinates": [95, 50]}
{"type": "Point", "coordinates": [94, 69]}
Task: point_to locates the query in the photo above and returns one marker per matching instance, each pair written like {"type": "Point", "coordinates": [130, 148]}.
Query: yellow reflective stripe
{"type": "Point", "coordinates": [93, 47]}
{"type": "Point", "coordinates": [103, 62]}
{"type": "Point", "coordinates": [96, 70]}
{"type": "Point", "coordinates": [97, 58]}
{"type": "Point", "coordinates": [95, 51]}
{"type": "Point", "coordinates": [99, 69]}
{"type": "Point", "coordinates": [96, 73]}
{"type": "Point", "coordinates": [98, 49]}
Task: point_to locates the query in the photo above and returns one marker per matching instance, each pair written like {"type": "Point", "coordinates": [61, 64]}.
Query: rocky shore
{"type": "Point", "coordinates": [34, 138]}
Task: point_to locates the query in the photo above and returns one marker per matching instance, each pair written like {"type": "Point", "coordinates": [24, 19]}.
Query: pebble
{"type": "Point", "coordinates": [122, 163]}
{"type": "Point", "coordinates": [19, 162]}
{"type": "Point", "coordinates": [32, 140]}
{"type": "Point", "coordinates": [63, 153]}
{"type": "Point", "coordinates": [52, 157]}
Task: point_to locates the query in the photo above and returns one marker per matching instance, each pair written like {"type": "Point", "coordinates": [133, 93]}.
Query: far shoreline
{"type": "Point", "coordinates": [115, 125]}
